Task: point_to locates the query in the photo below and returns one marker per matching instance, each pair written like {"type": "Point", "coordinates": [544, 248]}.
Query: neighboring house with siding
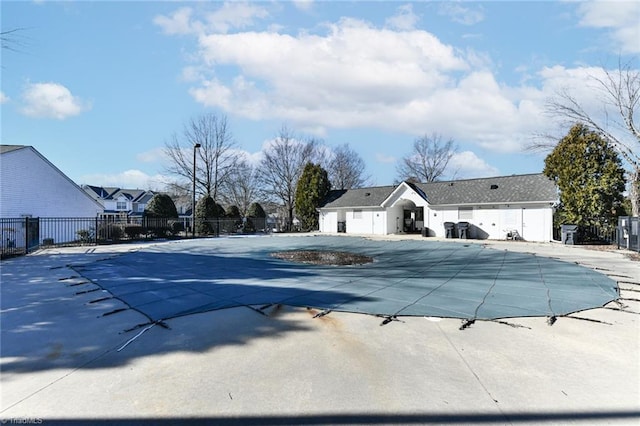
{"type": "Point", "coordinates": [120, 203]}
{"type": "Point", "coordinates": [495, 208]}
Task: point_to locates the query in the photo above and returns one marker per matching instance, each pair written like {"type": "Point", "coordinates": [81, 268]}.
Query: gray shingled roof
{"type": "Point", "coordinates": [9, 148]}
{"type": "Point", "coordinates": [358, 197]}
{"type": "Point", "coordinates": [506, 189]}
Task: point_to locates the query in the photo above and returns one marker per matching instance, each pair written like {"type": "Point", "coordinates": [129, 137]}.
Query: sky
{"type": "Point", "coordinates": [99, 87]}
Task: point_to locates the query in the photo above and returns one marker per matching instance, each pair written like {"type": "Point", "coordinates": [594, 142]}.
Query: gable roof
{"type": "Point", "coordinates": [495, 190]}
{"type": "Point", "coordinates": [504, 189]}
{"type": "Point", "coordinates": [9, 148]}
{"type": "Point", "coordinates": [4, 149]}
{"type": "Point", "coordinates": [359, 197]}
{"type": "Point", "coordinates": [111, 193]}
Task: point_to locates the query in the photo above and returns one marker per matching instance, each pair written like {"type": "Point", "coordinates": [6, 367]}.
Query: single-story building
{"type": "Point", "coordinates": [517, 206]}
{"type": "Point", "coordinates": [32, 187]}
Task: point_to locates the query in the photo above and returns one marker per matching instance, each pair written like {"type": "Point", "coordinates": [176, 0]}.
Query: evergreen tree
{"type": "Point", "coordinates": [233, 212]}
{"type": "Point", "coordinates": [311, 189]}
{"type": "Point", "coordinates": [161, 206]}
{"type": "Point", "coordinates": [205, 213]}
{"type": "Point", "coordinates": [256, 211]}
{"type": "Point", "coordinates": [589, 175]}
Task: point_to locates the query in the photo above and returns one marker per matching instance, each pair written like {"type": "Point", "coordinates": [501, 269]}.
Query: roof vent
{"type": "Point", "coordinates": [494, 186]}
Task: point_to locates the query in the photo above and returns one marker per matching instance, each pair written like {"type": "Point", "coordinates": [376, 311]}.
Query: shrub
{"type": "Point", "coordinates": [161, 206]}
{"type": "Point", "coordinates": [248, 226]}
{"type": "Point", "coordinates": [205, 210]}
{"type": "Point", "coordinates": [133, 231]}
{"type": "Point", "coordinates": [85, 235]}
{"type": "Point", "coordinates": [256, 210]}
{"type": "Point", "coordinates": [233, 212]}
{"type": "Point", "coordinates": [110, 232]}
{"type": "Point", "coordinates": [176, 226]}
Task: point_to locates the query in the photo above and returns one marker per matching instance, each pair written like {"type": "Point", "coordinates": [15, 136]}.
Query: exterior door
{"type": "Point", "coordinates": [533, 224]}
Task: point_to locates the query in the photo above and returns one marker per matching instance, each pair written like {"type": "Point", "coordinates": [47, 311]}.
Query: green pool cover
{"type": "Point", "coordinates": [406, 278]}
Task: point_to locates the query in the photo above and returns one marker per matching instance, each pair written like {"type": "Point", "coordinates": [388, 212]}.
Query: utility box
{"type": "Point", "coordinates": [463, 230]}
{"type": "Point", "coordinates": [450, 230]}
{"type": "Point", "coordinates": [569, 234]}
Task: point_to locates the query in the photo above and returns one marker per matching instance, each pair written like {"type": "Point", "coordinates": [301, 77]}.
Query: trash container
{"type": "Point", "coordinates": [463, 230]}
{"type": "Point", "coordinates": [425, 232]}
{"type": "Point", "coordinates": [449, 230]}
{"type": "Point", "coordinates": [569, 234]}
{"type": "Point", "coordinates": [342, 227]}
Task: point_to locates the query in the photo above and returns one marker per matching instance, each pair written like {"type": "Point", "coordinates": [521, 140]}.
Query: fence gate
{"type": "Point", "coordinates": [629, 232]}
{"type": "Point", "coordinates": [32, 232]}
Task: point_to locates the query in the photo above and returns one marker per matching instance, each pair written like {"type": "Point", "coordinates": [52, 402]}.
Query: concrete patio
{"type": "Point", "coordinates": [64, 361]}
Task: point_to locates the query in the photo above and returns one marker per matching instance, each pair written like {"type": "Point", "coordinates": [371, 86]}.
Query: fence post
{"type": "Point", "coordinates": [26, 235]}
{"type": "Point", "coordinates": [95, 233]}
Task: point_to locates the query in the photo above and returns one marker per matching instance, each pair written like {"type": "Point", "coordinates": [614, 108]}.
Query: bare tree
{"type": "Point", "coordinates": [620, 95]}
{"type": "Point", "coordinates": [429, 159]}
{"type": "Point", "coordinates": [216, 156]}
{"type": "Point", "coordinates": [346, 168]}
{"type": "Point", "coordinates": [12, 39]}
{"type": "Point", "coordinates": [281, 166]}
{"type": "Point", "coordinates": [243, 187]}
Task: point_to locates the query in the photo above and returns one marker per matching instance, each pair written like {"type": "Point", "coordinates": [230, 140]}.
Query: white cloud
{"type": "Point", "coordinates": [620, 17]}
{"type": "Point", "coordinates": [461, 14]}
{"type": "Point", "coordinates": [304, 5]}
{"type": "Point", "coordinates": [356, 75]}
{"type": "Point", "coordinates": [404, 19]}
{"type": "Point", "coordinates": [3, 98]}
{"type": "Point", "coordinates": [385, 159]}
{"type": "Point", "coordinates": [51, 100]}
{"type": "Point", "coordinates": [351, 76]}
{"type": "Point", "coordinates": [179, 22]}
{"type": "Point", "coordinates": [129, 179]}
{"type": "Point", "coordinates": [467, 164]}
{"type": "Point", "coordinates": [155, 155]}
{"type": "Point", "coordinates": [230, 15]}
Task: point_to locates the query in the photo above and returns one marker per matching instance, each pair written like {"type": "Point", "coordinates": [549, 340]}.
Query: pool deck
{"type": "Point", "coordinates": [64, 361]}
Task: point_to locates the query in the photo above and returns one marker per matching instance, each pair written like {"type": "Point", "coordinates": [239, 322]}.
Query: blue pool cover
{"type": "Point", "coordinates": [407, 278]}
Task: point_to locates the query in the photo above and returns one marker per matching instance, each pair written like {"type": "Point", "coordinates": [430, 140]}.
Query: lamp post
{"type": "Point", "coordinates": [193, 203]}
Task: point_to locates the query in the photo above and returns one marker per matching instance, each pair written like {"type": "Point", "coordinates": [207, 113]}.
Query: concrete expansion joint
{"type": "Point", "coordinates": [475, 375]}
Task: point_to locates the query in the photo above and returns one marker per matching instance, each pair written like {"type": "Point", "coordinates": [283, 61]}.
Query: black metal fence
{"type": "Point", "coordinates": [23, 235]}
{"type": "Point", "coordinates": [629, 233]}
{"type": "Point", "coordinates": [625, 234]}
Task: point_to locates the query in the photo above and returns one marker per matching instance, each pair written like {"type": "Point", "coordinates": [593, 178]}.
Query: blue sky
{"type": "Point", "coordinates": [98, 87]}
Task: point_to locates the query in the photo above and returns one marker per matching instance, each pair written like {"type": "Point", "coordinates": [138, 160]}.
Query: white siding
{"type": "Point", "coordinates": [533, 223]}
{"type": "Point", "coordinates": [360, 221]}
{"type": "Point", "coordinates": [394, 219]}
{"type": "Point", "coordinates": [328, 221]}
{"type": "Point", "coordinates": [30, 185]}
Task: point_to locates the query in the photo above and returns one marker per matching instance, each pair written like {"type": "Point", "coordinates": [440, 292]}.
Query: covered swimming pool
{"type": "Point", "coordinates": [406, 278]}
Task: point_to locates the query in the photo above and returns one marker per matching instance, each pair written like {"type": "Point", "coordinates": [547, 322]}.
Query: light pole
{"type": "Point", "coordinates": [193, 201]}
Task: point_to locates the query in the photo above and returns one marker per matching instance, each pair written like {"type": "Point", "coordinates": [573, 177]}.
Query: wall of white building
{"type": "Point", "coordinates": [32, 186]}
{"type": "Point", "coordinates": [530, 222]}
{"type": "Point", "coordinates": [328, 222]}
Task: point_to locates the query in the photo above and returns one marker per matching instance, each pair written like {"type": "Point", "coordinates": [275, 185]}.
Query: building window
{"type": "Point", "coordinates": [465, 213]}
{"type": "Point", "coordinates": [357, 214]}
{"type": "Point", "coordinates": [121, 205]}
